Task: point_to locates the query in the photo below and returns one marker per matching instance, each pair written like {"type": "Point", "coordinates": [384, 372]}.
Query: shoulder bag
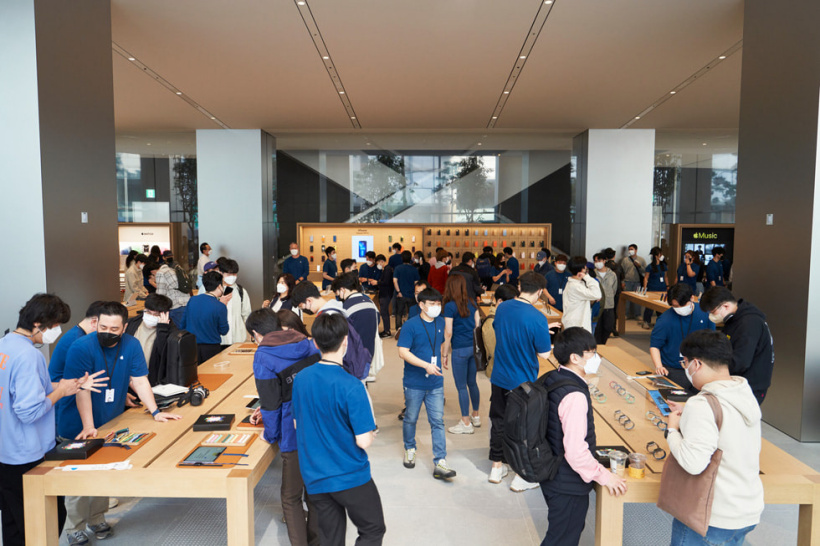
{"type": "Point", "coordinates": [687, 497]}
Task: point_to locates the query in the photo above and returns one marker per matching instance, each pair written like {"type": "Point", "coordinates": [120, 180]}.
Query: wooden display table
{"type": "Point", "coordinates": [650, 300]}
{"type": "Point", "coordinates": [137, 308]}
{"type": "Point", "coordinates": [785, 479]}
{"type": "Point", "coordinates": [154, 473]}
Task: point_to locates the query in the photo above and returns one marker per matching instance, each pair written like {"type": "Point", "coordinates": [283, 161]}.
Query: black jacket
{"type": "Point", "coordinates": [159, 355]}
{"type": "Point", "coordinates": [474, 288]}
{"type": "Point", "coordinates": [752, 347]}
{"type": "Point", "coordinates": [386, 283]}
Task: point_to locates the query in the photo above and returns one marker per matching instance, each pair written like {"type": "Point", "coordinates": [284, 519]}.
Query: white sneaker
{"type": "Point", "coordinates": [410, 458]}
{"type": "Point", "coordinates": [497, 474]}
{"type": "Point", "coordinates": [519, 484]}
{"type": "Point", "coordinates": [475, 420]}
{"type": "Point", "coordinates": [461, 428]}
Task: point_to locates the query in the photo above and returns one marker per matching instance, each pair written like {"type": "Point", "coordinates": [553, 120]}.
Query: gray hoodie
{"type": "Point", "coordinates": [738, 500]}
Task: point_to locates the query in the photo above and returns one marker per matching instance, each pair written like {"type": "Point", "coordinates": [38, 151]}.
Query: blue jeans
{"type": "Point", "coordinates": [434, 402]}
{"type": "Point", "coordinates": [464, 375]}
{"type": "Point", "coordinates": [684, 536]}
{"type": "Point", "coordinates": [632, 310]}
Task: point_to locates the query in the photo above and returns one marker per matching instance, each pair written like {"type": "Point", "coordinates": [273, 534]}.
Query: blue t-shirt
{"type": "Point", "coordinates": [414, 311]}
{"type": "Point", "coordinates": [521, 332]}
{"type": "Point", "coordinates": [556, 282]}
{"type": "Point", "coordinates": [512, 265]}
{"type": "Point", "coordinates": [298, 267]}
{"type": "Point", "coordinates": [670, 331]}
{"type": "Point", "coordinates": [394, 260]}
{"type": "Point", "coordinates": [406, 275]}
{"type": "Point", "coordinates": [424, 340]}
{"type": "Point", "coordinates": [26, 419]}
{"type": "Point", "coordinates": [685, 278]}
{"type": "Point", "coordinates": [367, 272]}
{"type": "Point", "coordinates": [56, 367]}
{"type": "Point", "coordinates": [207, 318]}
{"type": "Point", "coordinates": [714, 272]}
{"type": "Point", "coordinates": [121, 363]}
{"type": "Point", "coordinates": [331, 408]}
{"type": "Point", "coordinates": [331, 269]}
{"type": "Point", "coordinates": [657, 282]}
{"type": "Point", "coordinates": [463, 327]}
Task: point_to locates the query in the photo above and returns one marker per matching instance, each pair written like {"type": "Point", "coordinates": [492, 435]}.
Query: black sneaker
{"type": "Point", "coordinates": [443, 472]}
{"type": "Point", "coordinates": [384, 335]}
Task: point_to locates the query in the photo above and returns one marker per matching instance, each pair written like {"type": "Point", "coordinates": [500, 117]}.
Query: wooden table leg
{"type": "Point", "coordinates": [240, 508]}
{"type": "Point", "coordinates": [621, 314]}
{"type": "Point", "coordinates": [40, 510]}
{"type": "Point", "coordinates": [609, 518]}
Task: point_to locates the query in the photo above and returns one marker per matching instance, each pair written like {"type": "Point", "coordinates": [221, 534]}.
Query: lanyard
{"type": "Point", "coordinates": [116, 359]}
{"type": "Point", "coordinates": [689, 330]}
{"type": "Point", "coordinates": [323, 361]}
{"type": "Point", "coordinates": [435, 335]}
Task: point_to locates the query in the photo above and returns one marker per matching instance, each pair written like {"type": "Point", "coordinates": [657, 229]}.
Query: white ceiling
{"type": "Point", "coordinates": [424, 74]}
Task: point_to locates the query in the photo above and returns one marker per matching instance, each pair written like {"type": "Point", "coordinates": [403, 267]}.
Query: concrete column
{"type": "Point", "coordinates": [236, 185]}
{"type": "Point", "coordinates": [57, 156]}
{"type": "Point", "coordinates": [778, 174]}
{"type": "Point", "coordinates": [613, 190]}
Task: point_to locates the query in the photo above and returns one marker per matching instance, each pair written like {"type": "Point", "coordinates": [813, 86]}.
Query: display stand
{"type": "Point", "coordinates": [703, 237]}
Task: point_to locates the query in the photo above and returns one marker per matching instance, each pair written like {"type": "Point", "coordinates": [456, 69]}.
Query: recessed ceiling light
{"type": "Point", "coordinates": [672, 92]}
{"type": "Point", "coordinates": [179, 92]}
{"type": "Point", "coordinates": [147, 143]}
{"type": "Point", "coordinates": [495, 117]}
{"type": "Point", "coordinates": [506, 92]}
{"type": "Point", "coordinates": [341, 92]}
{"type": "Point", "coordinates": [704, 144]}
{"type": "Point", "coordinates": [637, 117]}
{"type": "Point", "coordinates": [522, 57]}
{"type": "Point", "coordinates": [369, 144]}
{"type": "Point", "coordinates": [325, 57]}
{"type": "Point", "coordinates": [212, 117]}
{"type": "Point", "coordinates": [352, 117]}
{"type": "Point", "coordinates": [479, 144]}
{"type": "Point", "coordinates": [131, 59]}
{"type": "Point", "coordinates": [722, 57]}
{"type": "Point", "coordinates": [548, 1]}
{"type": "Point", "coordinates": [301, 3]}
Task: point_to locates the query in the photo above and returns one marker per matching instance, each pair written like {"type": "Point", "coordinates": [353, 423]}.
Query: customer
{"type": "Point", "coordinates": [204, 258]}
{"type": "Point", "coordinates": [329, 268]}
{"type": "Point", "coordinates": [484, 267]}
{"type": "Point", "coordinates": [437, 277]}
{"type": "Point", "coordinates": [557, 282]}
{"type": "Point", "coordinates": [285, 284]}
{"type": "Point", "coordinates": [360, 310]}
{"type": "Point", "coordinates": [522, 336]}
{"type": "Point", "coordinates": [746, 327]}
{"type": "Point", "coordinates": [386, 288]}
{"type": "Point", "coordinates": [149, 276]}
{"type": "Point", "coordinates": [134, 288]}
{"type": "Point", "coordinates": [672, 328]}
{"type": "Point", "coordinates": [152, 329]}
{"type": "Point", "coordinates": [608, 280]}
{"type": "Point", "coordinates": [295, 265]}
{"type": "Point", "coordinates": [504, 292]}
{"type": "Point", "coordinates": [168, 285]}
{"type": "Point", "coordinates": [512, 266]}
{"type": "Point", "coordinates": [634, 268]}
{"type": "Point", "coordinates": [120, 356]}
{"type": "Point", "coordinates": [581, 291]}
{"type": "Point", "coordinates": [334, 425]}
{"type": "Point", "coordinates": [460, 320]}
{"type": "Point", "coordinates": [571, 435]}
{"type": "Point", "coordinates": [395, 258]}
{"type": "Point", "coordinates": [289, 321]}
{"type": "Point", "coordinates": [714, 271]}
{"type": "Point", "coordinates": [543, 266]}
{"type": "Point", "coordinates": [239, 304]}
{"type": "Point", "coordinates": [420, 348]}
{"type": "Point", "coordinates": [404, 276]}
{"type": "Point", "coordinates": [422, 265]}
{"type": "Point", "coordinates": [654, 281]}
{"type": "Point", "coordinates": [208, 316]}
{"type": "Point", "coordinates": [467, 270]}
{"type": "Point", "coordinates": [281, 355]}
{"type": "Point", "coordinates": [689, 270]}
{"type": "Point", "coordinates": [418, 288]}
{"type": "Point", "coordinates": [693, 437]}
{"type": "Point", "coordinates": [614, 266]}
{"type": "Point", "coordinates": [348, 265]}
{"type": "Point", "coordinates": [26, 412]}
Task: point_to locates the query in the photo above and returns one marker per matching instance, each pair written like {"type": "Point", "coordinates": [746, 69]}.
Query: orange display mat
{"type": "Point", "coordinates": [226, 462]}
{"type": "Point", "coordinates": [244, 349]}
{"type": "Point", "coordinates": [213, 381]}
{"type": "Point", "coordinates": [243, 424]}
{"type": "Point", "coordinates": [106, 455]}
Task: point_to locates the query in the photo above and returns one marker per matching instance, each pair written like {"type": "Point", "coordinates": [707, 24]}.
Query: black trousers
{"type": "Point", "coordinates": [364, 507]}
{"type": "Point", "coordinates": [11, 503]}
{"type": "Point", "coordinates": [498, 406]}
{"type": "Point", "coordinates": [402, 307]}
{"type": "Point", "coordinates": [566, 516]}
{"type": "Point", "coordinates": [384, 307]}
{"type": "Point", "coordinates": [605, 327]}
{"type": "Point", "coordinates": [206, 351]}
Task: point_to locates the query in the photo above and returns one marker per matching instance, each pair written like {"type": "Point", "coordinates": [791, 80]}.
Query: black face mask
{"type": "Point", "coordinates": [307, 311]}
{"type": "Point", "coordinates": [107, 339]}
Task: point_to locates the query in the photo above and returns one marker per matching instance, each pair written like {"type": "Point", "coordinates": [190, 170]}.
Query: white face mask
{"type": "Point", "coordinates": [689, 375]}
{"type": "Point", "coordinates": [229, 279]}
{"type": "Point", "coordinates": [140, 266]}
{"type": "Point", "coordinates": [591, 366]}
{"type": "Point", "coordinates": [281, 288]}
{"type": "Point", "coordinates": [560, 267]}
{"type": "Point", "coordinates": [150, 321]}
{"type": "Point", "coordinates": [434, 311]}
{"type": "Point", "coordinates": [380, 266]}
{"type": "Point", "coordinates": [631, 252]}
{"type": "Point", "coordinates": [50, 335]}
{"type": "Point", "coordinates": [660, 258]}
{"type": "Point", "coordinates": [542, 262]}
{"type": "Point", "coordinates": [599, 265]}
{"type": "Point", "coordinates": [369, 264]}
{"type": "Point", "coordinates": [684, 311]}
{"type": "Point", "coordinates": [333, 257]}
{"type": "Point", "coordinates": [294, 251]}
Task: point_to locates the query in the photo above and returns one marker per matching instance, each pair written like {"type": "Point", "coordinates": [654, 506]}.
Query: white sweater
{"type": "Point", "coordinates": [239, 309]}
{"type": "Point", "coordinates": [578, 296]}
{"type": "Point", "coordinates": [738, 500]}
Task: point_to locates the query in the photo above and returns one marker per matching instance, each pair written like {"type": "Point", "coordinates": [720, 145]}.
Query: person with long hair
{"type": "Point", "coordinates": [289, 320]}
{"type": "Point", "coordinates": [285, 283]}
{"type": "Point", "coordinates": [689, 270]}
{"type": "Point", "coordinates": [460, 319]}
{"type": "Point", "coordinates": [654, 280]}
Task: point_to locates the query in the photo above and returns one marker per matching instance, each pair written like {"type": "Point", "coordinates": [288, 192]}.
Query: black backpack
{"type": "Point", "coordinates": [184, 283]}
{"type": "Point", "coordinates": [525, 431]}
{"type": "Point", "coordinates": [182, 362]}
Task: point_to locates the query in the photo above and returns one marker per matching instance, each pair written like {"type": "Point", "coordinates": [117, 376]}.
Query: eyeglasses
{"type": "Point", "coordinates": [684, 364]}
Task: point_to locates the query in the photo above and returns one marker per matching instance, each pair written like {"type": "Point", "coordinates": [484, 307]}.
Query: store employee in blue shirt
{"type": "Point", "coordinates": [512, 265]}
{"type": "Point", "coordinates": [334, 425]}
{"type": "Point", "coordinates": [27, 398]}
{"type": "Point", "coordinates": [329, 269]}
{"type": "Point", "coordinates": [714, 271]}
{"type": "Point", "coordinates": [557, 281]}
{"type": "Point", "coordinates": [672, 328]}
{"type": "Point", "coordinates": [419, 344]}
{"type": "Point", "coordinates": [521, 336]}
{"type": "Point", "coordinates": [296, 265]}
{"type": "Point", "coordinates": [689, 270]}
{"type": "Point", "coordinates": [369, 274]}
{"type": "Point", "coordinates": [121, 358]}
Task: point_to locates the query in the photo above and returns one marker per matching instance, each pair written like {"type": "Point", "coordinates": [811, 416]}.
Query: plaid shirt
{"type": "Point", "coordinates": [167, 286]}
